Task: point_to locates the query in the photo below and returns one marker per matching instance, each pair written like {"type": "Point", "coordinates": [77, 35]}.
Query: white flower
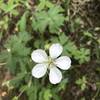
{"type": "Point", "coordinates": [52, 62]}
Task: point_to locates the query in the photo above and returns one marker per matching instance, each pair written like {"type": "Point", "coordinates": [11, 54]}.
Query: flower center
{"type": "Point", "coordinates": [50, 61]}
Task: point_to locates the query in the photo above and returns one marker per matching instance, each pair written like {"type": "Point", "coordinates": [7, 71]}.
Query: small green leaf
{"type": "Point", "coordinates": [22, 22]}
{"type": "Point", "coordinates": [44, 4]}
{"type": "Point", "coordinates": [63, 39]}
{"type": "Point", "coordinates": [47, 94]}
{"type": "Point", "coordinates": [15, 98]}
{"type": "Point", "coordinates": [88, 34]}
{"type": "Point", "coordinates": [82, 83]}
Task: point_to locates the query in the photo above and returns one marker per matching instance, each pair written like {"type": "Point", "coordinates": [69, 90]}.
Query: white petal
{"type": "Point", "coordinates": [39, 56]}
{"type": "Point", "coordinates": [39, 70]}
{"type": "Point", "coordinates": [55, 75]}
{"type": "Point", "coordinates": [55, 50]}
{"type": "Point", "coordinates": [63, 62]}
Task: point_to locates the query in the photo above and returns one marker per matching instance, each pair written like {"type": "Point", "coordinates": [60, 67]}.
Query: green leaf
{"type": "Point", "coordinates": [32, 91]}
{"type": "Point", "coordinates": [49, 4]}
{"type": "Point", "coordinates": [88, 34]}
{"type": "Point", "coordinates": [70, 49]}
{"type": "Point", "coordinates": [47, 94]}
{"type": "Point", "coordinates": [82, 83]}
{"type": "Point", "coordinates": [16, 81]}
{"type": "Point", "coordinates": [62, 85]}
{"type": "Point", "coordinates": [63, 39]}
{"type": "Point", "coordinates": [22, 22]}
{"type": "Point", "coordinates": [41, 5]}
{"type": "Point", "coordinates": [9, 6]}
{"type": "Point", "coordinates": [83, 55]}
{"type": "Point", "coordinates": [53, 18]}
{"type": "Point", "coordinates": [44, 4]}
{"type": "Point", "coordinates": [15, 98]}
{"type": "Point", "coordinates": [16, 53]}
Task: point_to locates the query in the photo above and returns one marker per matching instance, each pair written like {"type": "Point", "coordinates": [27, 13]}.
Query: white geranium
{"type": "Point", "coordinates": [52, 62]}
